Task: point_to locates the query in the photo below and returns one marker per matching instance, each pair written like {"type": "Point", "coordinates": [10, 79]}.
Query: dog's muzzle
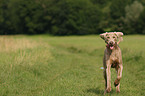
{"type": "Point", "coordinates": [110, 45]}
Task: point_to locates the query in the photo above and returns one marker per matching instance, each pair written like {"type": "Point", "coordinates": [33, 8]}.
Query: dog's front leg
{"type": "Point", "coordinates": [108, 72]}
{"type": "Point", "coordinates": [119, 75]}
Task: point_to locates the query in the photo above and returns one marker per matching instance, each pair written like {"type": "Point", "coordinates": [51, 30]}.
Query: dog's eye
{"type": "Point", "coordinates": [108, 37]}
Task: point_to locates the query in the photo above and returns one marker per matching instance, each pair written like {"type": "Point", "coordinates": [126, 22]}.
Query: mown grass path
{"type": "Point", "coordinates": [67, 66]}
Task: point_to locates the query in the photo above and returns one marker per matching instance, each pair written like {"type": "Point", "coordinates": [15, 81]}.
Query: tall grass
{"type": "Point", "coordinates": [21, 58]}
{"type": "Point", "coordinates": [67, 66]}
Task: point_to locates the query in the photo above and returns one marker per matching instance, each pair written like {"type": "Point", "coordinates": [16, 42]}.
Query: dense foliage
{"type": "Point", "coordinates": [71, 17]}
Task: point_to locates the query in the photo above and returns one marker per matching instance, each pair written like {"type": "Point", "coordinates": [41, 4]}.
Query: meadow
{"type": "Point", "coordinates": [43, 65]}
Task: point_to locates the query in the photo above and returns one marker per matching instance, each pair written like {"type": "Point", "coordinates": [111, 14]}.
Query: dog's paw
{"type": "Point", "coordinates": [108, 90]}
{"type": "Point", "coordinates": [118, 91]}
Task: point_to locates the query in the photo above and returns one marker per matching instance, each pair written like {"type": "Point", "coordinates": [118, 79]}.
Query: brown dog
{"type": "Point", "coordinates": [112, 58]}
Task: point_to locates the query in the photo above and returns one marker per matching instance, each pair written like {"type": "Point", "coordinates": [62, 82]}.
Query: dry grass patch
{"type": "Point", "coordinates": [23, 50]}
{"type": "Point", "coordinates": [10, 43]}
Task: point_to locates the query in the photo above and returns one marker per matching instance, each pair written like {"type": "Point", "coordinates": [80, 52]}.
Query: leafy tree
{"type": "Point", "coordinates": [29, 18]}
{"type": "Point", "coordinates": [75, 17]}
{"type": "Point", "coordinates": [140, 23]}
{"type": "Point", "coordinates": [117, 13]}
{"type": "Point", "coordinates": [5, 24]}
{"type": "Point", "coordinates": [71, 17]}
{"type": "Point", "coordinates": [133, 12]}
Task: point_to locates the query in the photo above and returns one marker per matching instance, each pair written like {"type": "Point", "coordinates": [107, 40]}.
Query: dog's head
{"type": "Point", "coordinates": [111, 38]}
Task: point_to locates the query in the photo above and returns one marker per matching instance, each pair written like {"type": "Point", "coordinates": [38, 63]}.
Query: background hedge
{"type": "Point", "coordinates": [71, 17]}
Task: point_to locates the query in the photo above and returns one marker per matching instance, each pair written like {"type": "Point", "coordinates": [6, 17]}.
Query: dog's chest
{"type": "Point", "coordinates": [114, 56]}
{"type": "Point", "coordinates": [114, 59]}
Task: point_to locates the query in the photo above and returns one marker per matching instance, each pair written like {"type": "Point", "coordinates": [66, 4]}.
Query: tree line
{"type": "Point", "coordinates": [71, 17]}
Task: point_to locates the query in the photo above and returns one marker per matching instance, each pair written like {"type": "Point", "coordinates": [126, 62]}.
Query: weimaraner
{"type": "Point", "coordinates": [112, 58]}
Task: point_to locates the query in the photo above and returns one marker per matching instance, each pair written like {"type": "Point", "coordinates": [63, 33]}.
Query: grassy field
{"type": "Point", "coordinates": [43, 65]}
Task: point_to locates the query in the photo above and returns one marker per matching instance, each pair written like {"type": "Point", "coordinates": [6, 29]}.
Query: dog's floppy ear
{"type": "Point", "coordinates": [103, 35]}
{"type": "Point", "coordinates": [119, 36]}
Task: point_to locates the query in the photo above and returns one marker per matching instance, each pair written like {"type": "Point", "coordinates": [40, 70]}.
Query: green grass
{"type": "Point", "coordinates": [43, 65]}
